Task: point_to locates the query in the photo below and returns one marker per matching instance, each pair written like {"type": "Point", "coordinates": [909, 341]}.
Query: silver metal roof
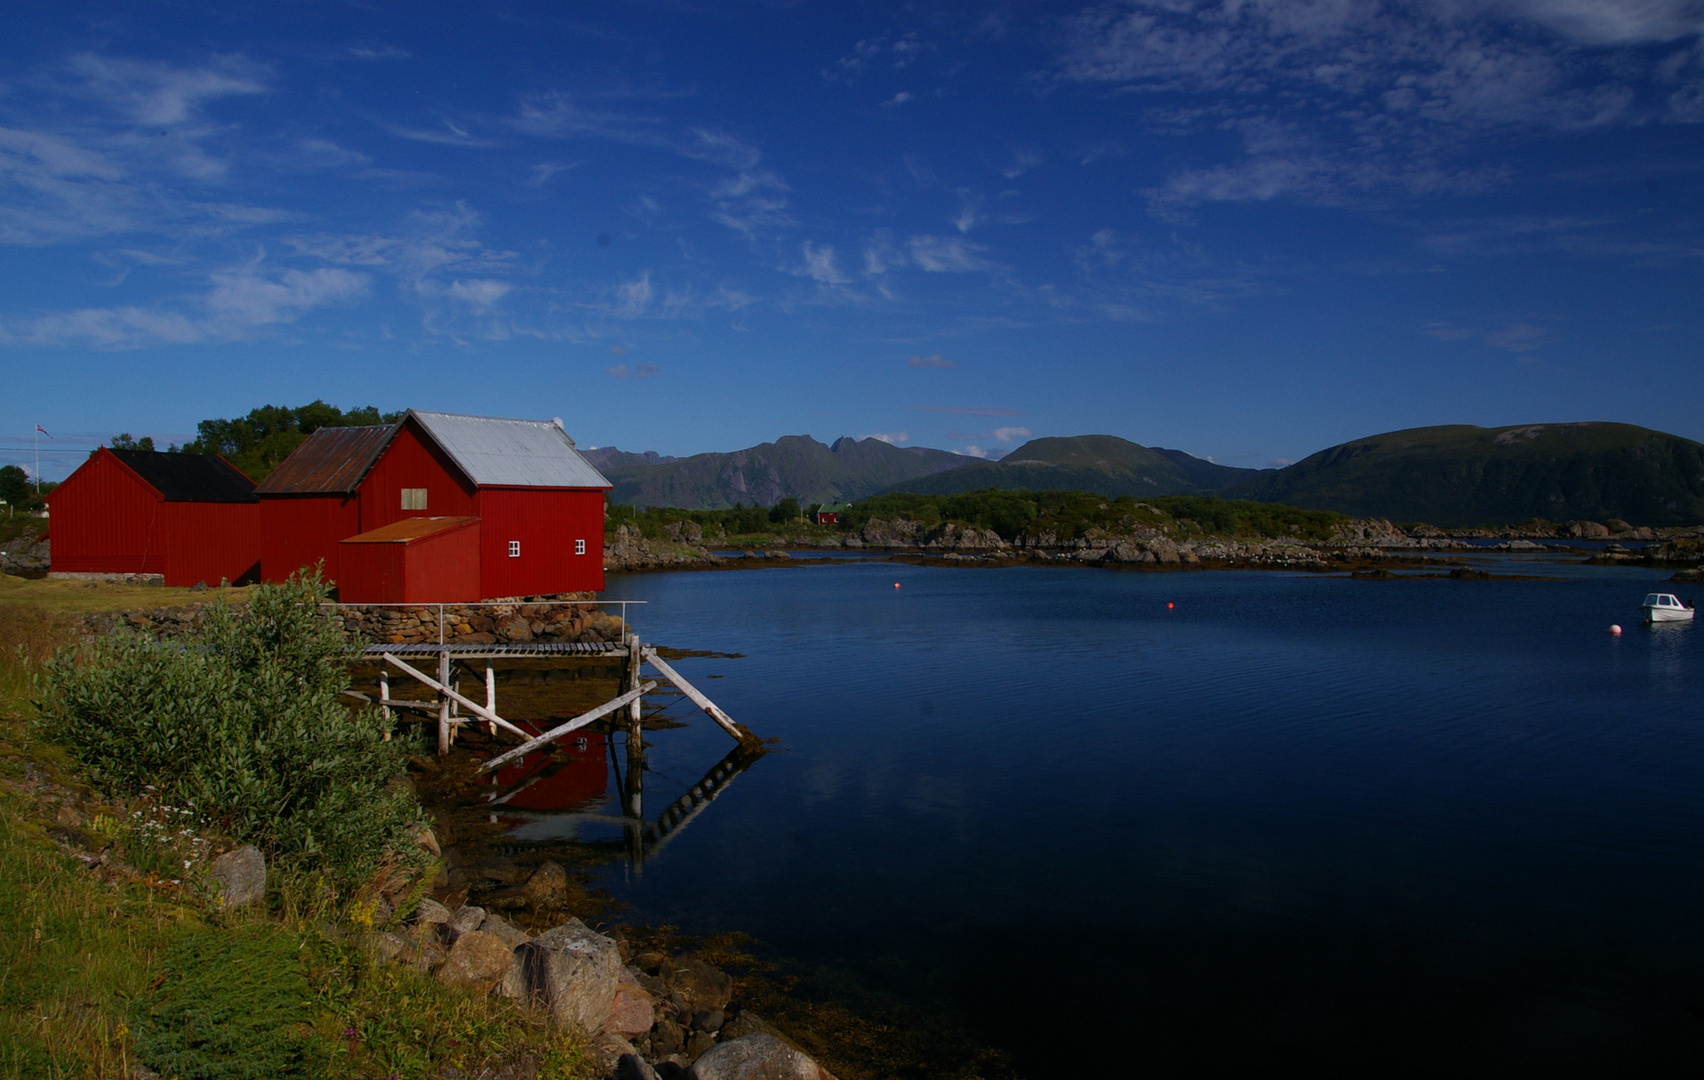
{"type": "Point", "coordinates": [495, 452]}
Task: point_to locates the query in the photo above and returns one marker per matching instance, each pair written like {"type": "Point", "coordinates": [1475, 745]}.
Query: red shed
{"type": "Point", "coordinates": [540, 503]}
{"type": "Point", "coordinates": [413, 561]}
{"type": "Point", "coordinates": [185, 517]}
{"type": "Point", "coordinates": [310, 501]}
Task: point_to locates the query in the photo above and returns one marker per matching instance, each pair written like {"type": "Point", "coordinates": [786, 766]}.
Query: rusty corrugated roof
{"type": "Point", "coordinates": [331, 461]}
{"type": "Point", "coordinates": [409, 530]}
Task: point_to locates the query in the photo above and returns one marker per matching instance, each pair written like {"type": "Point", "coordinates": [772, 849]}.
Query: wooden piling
{"type": "Point", "coordinates": [443, 700]}
{"type": "Point", "coordinates": [490, 694]}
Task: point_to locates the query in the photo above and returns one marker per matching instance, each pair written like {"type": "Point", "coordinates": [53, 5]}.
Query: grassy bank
{"type": "Point", "coordinates": [108, 966]}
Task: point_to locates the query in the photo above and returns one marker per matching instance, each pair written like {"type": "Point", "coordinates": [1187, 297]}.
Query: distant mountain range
{"type": "Point", "coordinates": [763, 475]}
{"type": "Point", "coordinates": [1452, 476]}
{"type": "Point", "coordinates": [1103, 464]}
{"type": "Point", "coordinates": [1460, 475]}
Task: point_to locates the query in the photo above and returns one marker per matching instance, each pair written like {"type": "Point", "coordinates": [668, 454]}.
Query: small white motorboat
{"type": "Point", "coordinates": [1666, 607]}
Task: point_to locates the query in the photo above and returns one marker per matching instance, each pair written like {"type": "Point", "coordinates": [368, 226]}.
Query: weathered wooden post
{"type": "Point", "coordinates": [443, 704]}
{"type": "Point", "coordinates": [490, 694]}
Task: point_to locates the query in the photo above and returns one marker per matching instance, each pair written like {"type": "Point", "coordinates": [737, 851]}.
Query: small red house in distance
{"type": "Point", "coordinates": [539, 504]}
{"type": "Point", "coordinates": [186, 517]}
{"type": "Point", "coordinates": [829, 513]}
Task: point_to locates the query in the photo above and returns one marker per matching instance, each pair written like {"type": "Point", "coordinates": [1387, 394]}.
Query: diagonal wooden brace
{"type": "Point", "coordinates": [466, 703]}
{"type": "Point", "coordinates": [578, 722]}
{"type": "Point", "coordinates": [698, 699]}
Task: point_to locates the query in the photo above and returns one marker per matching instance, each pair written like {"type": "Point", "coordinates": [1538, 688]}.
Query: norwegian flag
{"type": "Point", "coordinates": [43, 430]}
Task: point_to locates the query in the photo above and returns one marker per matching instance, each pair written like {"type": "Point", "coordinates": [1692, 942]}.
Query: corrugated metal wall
{"type": "Point", "coordinates": [206, 541]}
{"type": "Point", "coordinates": [546, 522]}
{"type": "Point", "coordinates": [439, 569]}
{"type": "Point", "coordinates": [301, 530]}
{"type": "Point", "coordinates": [106, 521]}
{"type": "Point", "coordinates": [410, 462]}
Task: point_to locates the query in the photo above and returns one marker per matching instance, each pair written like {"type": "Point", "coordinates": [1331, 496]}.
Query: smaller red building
{"type": "Point", "coordinates": [412, 561]}
{"type": "Point", "coordinates": [186, 517]}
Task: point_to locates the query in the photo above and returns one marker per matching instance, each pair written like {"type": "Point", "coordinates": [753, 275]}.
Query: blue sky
{"type": "Point", "coordinates": [1247, 229]}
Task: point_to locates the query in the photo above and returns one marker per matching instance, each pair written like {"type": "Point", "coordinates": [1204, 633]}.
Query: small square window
{"type": "Point", "coordinates": [579, 547]}
{"type": "Point", "coordinates": [514, 549]}
{"type": "Point", "coordinates": [414, 498]}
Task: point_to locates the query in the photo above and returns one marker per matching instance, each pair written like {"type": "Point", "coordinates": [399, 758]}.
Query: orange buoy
{"type": "Point", "coordinates": [1615, 628]}
{"type": "Point", "coordinates": [1170, 605]}
{"type": "Point", "coordinates": [896, 584]}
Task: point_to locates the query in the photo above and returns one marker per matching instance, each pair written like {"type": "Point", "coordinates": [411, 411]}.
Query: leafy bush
{"type": "Point", "coordinates": [246, 726]}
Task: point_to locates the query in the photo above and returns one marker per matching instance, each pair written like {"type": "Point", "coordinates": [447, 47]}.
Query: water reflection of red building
{"type": "Point", "coordinates": [573, 775]}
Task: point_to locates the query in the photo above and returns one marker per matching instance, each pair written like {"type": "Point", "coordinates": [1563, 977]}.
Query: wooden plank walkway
{"type": "Point", "coordinates": [516, 650]}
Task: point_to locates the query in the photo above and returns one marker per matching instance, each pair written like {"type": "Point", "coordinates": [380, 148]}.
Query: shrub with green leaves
{"type": "Point", "coordinates": [246, 725]}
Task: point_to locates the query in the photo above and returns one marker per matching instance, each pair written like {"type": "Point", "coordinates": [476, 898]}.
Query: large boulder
{"type": "Point", "coordinates": [758, 1056]}
{"type": "Point", "coordinates": [477, 959]}
{"type": "Point", "coordinates": [503, 930]}
{"type": "Point", "coordinates": [573, 972]}
{"type": "Point", "coordinates": [631, 1013]}
{"type": "Point", "coordinates": [699, 985]}
{"type": "Point", "coordinates": [239, 877]}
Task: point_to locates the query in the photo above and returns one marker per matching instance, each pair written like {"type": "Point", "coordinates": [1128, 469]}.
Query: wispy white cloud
{"type": "Point", "coordinates": [947, 255]}
{"type": "Point", "coordinates": [1005, 436]}
{"type": "Point", "coordinates": [956, 410]}
{"type": "Point", "coordinates": [898, 99]}
{"type": "Point", "coordinates": [1377, 98]}
{"type": "Point", "coordinates": [636, 371]}
{"type": "Point", "coordinates": [239, 303]}
{"type": "Point", "coordinates": [892, 438]}
{"type": "Point", "coordinates": [157, 94]}
{"type": "Point", "coordinates": [447, 133]}
{"type": "Point", "coordinates": [819, 265]}
{"type": "Point", "coordinates": [933, 360]}
{"type": "Point", "coordinates": [633, 297]}
{"type": "Point", "coordinates": [1517, 336]}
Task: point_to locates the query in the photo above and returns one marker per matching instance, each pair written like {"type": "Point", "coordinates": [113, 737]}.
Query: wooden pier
{"type": "Point", "coordinates": [453, 708]}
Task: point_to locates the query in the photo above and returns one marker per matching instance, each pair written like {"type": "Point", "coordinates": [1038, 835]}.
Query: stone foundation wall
{"type": "Point", "coordinates": [508, 622]}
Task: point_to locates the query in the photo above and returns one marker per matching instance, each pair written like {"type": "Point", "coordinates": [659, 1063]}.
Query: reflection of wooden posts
{"type": "Point", "coordinates": [384, 695]}
{"type": "Point", "coordinates": [443, 704]}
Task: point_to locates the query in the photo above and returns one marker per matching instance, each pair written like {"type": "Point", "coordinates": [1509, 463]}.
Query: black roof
{"type": "Point", "coordinates": [189, 477]}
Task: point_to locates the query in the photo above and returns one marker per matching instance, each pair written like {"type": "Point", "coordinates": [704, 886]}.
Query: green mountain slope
{"type": "Point", "coordinates": [1103, 464]}
{"type": "Point", "coordinates": [795, 465]}
{"type": "Point", "coordinates": [1462, 476]}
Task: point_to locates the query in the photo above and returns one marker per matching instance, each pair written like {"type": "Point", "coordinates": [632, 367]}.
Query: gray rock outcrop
{"type": "Point", "coordinates": [239, 877]}
{"type": "Point", "coordinates": [477, 959]}
{"type": "Point", "coordinates": [573, 972]}
{"type": "Point", "coordinates": [758, 1056]}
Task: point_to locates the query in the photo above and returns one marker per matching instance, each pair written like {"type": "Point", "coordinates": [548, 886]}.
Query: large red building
{"type": "Point", "coordinates": [186, 517]}
{"type": "Point", "coordinates": [539, 504]}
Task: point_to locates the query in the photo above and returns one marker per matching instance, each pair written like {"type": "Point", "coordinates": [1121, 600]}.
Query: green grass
{"type": "Point", "coordinates": [100, 974]}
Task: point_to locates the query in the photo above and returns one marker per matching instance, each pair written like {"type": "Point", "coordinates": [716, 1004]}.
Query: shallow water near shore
{"type": "Point", "coordinates": [1394, 825]}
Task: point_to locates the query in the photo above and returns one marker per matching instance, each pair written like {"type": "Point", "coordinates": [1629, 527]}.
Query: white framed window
{"type": "Point", "coordinates": [514, 549]}
{"type": "Point", "coordinates": [414, 498]}
{"type": "Point", "coordinates": [579, 547]}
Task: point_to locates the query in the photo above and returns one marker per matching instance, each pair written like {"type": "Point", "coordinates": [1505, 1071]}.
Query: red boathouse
{"type": "Point", "coordinates": [186, 517]}
{"type": "Point", "coordinates": [539, 504]}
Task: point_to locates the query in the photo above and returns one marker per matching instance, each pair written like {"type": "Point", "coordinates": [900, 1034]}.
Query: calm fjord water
{"type": "Point", "coordinates": [1404, 825]}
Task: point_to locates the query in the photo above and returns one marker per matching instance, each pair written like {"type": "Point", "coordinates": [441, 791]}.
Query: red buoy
{"type": "Point", "coordinates": [1170, 605]}
{"type": "Point", "coordinates": [896, 584]}
{"type": "Point", "coordinates": [1615, 628]}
